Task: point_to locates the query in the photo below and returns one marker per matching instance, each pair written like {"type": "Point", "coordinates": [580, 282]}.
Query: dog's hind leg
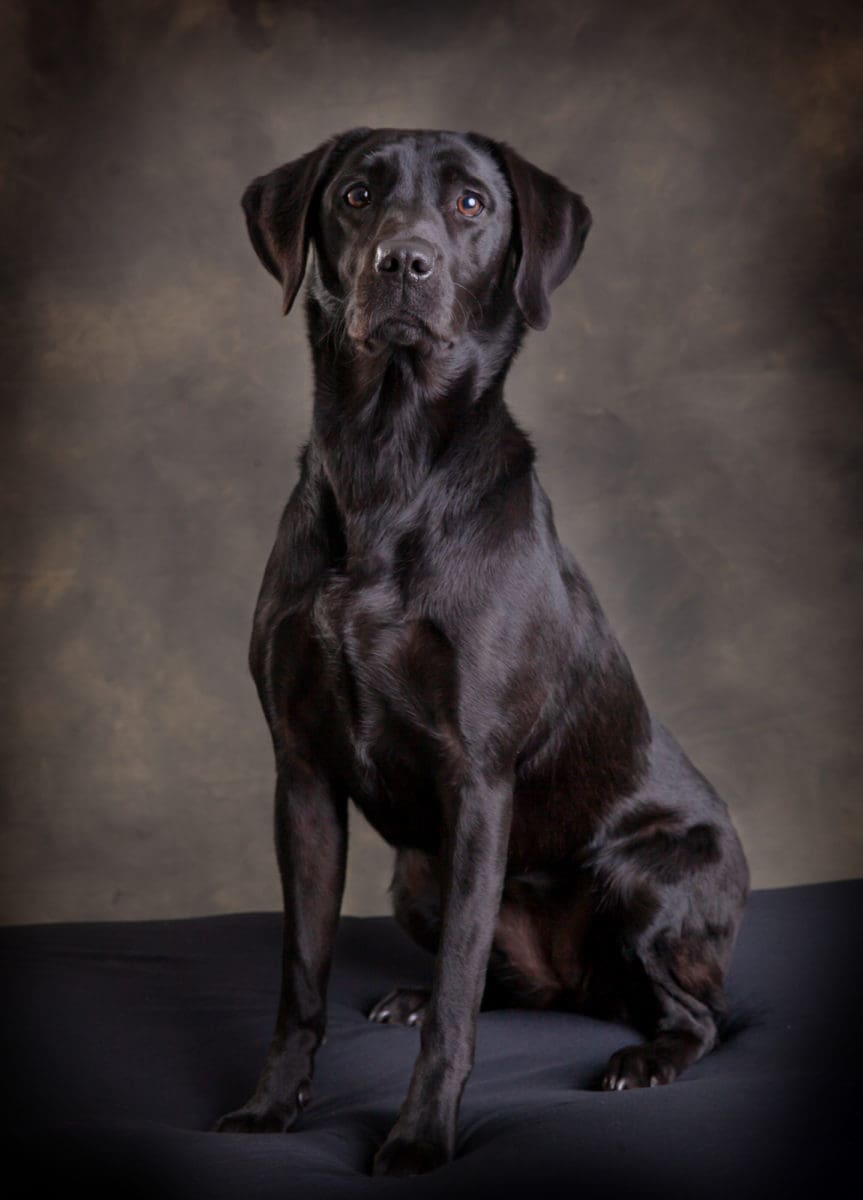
{"type": "Point", "coordinates": [668, 972]}
{"type": "Point", "coordinates": [416, 893]}
{"type": "Point", "coordinates": [672, 883]}
{"type": "Point", "coordinates": [416, 897]}
{"type": "Point", "coordinates": [683, 1029]}
{"type": "Point", "coordinates": [521, 969]}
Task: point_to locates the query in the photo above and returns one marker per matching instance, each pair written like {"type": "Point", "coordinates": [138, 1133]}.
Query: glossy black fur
{"type": "Point", "coordinates": [424, 646]}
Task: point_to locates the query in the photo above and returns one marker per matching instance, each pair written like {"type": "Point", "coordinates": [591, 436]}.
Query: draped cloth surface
{"type": "Point", "coordinates": [125, 1041]}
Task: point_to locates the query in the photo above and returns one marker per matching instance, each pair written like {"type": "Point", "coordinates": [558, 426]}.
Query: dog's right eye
{"type": "Point", "coordinates": [358, 196]}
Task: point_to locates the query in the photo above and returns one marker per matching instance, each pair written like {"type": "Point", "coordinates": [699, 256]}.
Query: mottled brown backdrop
{"type": "Point", "coordinates": [696, 402]}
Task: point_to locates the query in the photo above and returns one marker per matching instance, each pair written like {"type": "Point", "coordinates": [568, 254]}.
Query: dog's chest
{"type": "Point", "coordinates": [393, 676]}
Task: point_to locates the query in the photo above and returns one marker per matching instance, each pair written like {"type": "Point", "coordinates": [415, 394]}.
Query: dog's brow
{"type": "Point", "coordinates": [451, 167]}
{"type": "Point", "coordinates": [372, 158]}
{"type": "Point", "coordinates": [447, 161]}
{"type": "Point", "coordinates": [472, 180]}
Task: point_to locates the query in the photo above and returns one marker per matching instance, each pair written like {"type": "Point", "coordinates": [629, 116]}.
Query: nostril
{"type": "Point", "coordinates": [421, 266]}
{"type": "Point", "coordinates": [386, 262]}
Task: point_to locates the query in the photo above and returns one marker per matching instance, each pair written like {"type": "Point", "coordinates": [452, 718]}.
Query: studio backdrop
{"type": "Point", "coordinates": [695, 402]}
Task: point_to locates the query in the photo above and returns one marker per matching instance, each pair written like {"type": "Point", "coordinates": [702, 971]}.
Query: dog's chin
{"type": "Point", "coordinates": [402, 332]}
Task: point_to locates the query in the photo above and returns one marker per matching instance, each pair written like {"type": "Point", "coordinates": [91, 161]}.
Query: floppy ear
{"type": "Point", "coordinates": [280, 211]}
{"type": "Point", "coordinates": [552, 224]}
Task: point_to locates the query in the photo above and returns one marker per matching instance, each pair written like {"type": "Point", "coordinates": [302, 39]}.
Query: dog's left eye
{"type": "Point", "coordinates": [469, 204]}
{"type": "Point", "coordinates": [358, 196]}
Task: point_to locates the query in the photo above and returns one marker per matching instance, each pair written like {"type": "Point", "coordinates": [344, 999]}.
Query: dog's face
{"type": "Point", "coordinates": [421, 237]}
{"type": "Point", "coordinates": [414, 234]}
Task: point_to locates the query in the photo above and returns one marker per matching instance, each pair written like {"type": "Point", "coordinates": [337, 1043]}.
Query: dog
{"type": "Point", "coordinates": [423, 645]}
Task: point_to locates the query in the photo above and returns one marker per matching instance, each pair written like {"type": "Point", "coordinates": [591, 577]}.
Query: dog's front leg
{"type": "Point", "coordinates": [477, 838]}
{"type": "Point", "coordinates": [311, 842]}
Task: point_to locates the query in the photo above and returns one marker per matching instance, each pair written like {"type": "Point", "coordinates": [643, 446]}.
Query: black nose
{"type": "Point", "coordinates": [410, 257]}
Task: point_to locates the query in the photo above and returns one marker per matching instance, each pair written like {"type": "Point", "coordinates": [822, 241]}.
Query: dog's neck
{"type": "Point", "coordinates": [383, 421]}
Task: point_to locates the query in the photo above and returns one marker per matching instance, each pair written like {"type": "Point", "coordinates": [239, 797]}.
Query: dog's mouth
{"type": "Point", "coordinates": [402, 330]}
{"type": "Point", "coordinates": [398, 330]}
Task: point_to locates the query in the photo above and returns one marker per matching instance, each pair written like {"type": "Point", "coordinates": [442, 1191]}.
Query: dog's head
{"type": "Point", "coordinates": [419, 236]}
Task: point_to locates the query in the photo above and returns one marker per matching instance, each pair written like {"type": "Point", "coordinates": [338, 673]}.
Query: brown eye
{"type": "Point", "coordinates": [469, 204]}
{"type": "Point", "coordinates": [359, 196]}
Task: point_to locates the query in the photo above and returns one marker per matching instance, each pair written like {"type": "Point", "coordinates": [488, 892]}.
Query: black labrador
{"type": "Point", "coordinates": [423, 645]}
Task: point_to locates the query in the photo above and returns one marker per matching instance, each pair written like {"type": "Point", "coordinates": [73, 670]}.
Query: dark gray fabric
{"type": "Point", "coordinates": [125, 1041]}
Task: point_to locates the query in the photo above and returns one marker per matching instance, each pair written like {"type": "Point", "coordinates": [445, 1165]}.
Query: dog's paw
{"type": "Point", "coordinates": [264, 1117]}
{"type": "Point", "coordinates": [402, 1006]}
{"type": "Point", "coordinates": [639, 1067]}
{"type": "Point", "coordinates": [400, 1156]}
